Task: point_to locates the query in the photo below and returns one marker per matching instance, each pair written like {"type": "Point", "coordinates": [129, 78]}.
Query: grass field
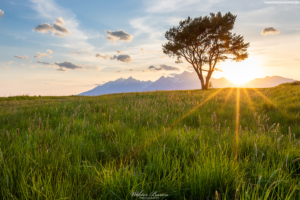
{"type": "Point", "coordinates": [215, 144]}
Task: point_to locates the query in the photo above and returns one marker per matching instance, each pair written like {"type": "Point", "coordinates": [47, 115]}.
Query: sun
{"type": "Point", "coordinates": [241, 72]}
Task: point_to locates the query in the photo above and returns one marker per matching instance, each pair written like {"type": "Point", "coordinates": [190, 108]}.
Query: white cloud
{"type": "Point", "coordinates": [22, 57]}
{"type": "Point", "coordinates": [5, 67]}
{"type": "Point", "coordinates": [1, 13]}
{"type": "Point", "coordinates": [10, 62]}
{"type": "Point", "coordinates": [122, 58]}
{"type": "Point", "coordinates": [38, 55]}
{"type": "Point", "coordinates": [60, 20]}
{"type": "Point", "coordinates": [61, 69]}
{"type": "Point", "coordinates": [49, 51]}
{"type": "Point", "coordinates": [269, 31]}
{"type": "Point", "coordinates": [49, 10]}
{"type": "Point", "coordinates": [43, 63]}
{"type": "Point", "coordinates": [118, 35]}
{"type": "Point", "coordinates": [67, 65]}
{"type": "Point", "coordinates": [56, 29]}
{"type": "Point", "coordinates": [105, 57]}
{"type": "Point", "coordinates": [163, 67]}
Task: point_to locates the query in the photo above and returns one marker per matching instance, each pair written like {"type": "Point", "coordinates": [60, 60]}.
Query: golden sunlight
{"type": "Point", "coordinates": [242, 72]}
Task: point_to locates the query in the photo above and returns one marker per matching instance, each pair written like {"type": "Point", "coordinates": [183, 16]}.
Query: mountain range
{"type": "Point", "coordinates": [183, 81]}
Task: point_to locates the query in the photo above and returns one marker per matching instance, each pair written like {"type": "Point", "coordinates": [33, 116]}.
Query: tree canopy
{"type": "Point", "coordinates": [205, 41]}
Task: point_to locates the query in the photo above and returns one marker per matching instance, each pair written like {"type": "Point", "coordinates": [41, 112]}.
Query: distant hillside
{"type": "Point", "coordinates": [268, 81]}
{"type": "Point", "coordinates": [183, 81]}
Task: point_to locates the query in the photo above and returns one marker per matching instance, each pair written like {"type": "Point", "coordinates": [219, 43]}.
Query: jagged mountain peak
{"type": "Point", "coordinates": [184, 81]}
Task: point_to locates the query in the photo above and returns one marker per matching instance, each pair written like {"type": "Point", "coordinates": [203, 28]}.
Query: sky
{"type": "Point", "coordinates": [66, 47]}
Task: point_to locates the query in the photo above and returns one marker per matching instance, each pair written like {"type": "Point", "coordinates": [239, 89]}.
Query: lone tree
{"type": "Point", "coordinates": [204, 41]}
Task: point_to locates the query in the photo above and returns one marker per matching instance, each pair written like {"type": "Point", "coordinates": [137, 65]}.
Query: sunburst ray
{"type": "Point", "coordinates": [136, 151]}
{"type": "Point", "coordinates": [237, 121]}
{"type": "Point", "coordinates": [273, 104]}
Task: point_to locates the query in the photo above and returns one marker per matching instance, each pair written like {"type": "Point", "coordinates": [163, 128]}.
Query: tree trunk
{"type": "Point", "coordinates": [205, 87]}
{"type": "Point", "coordinates": [201, 81]}
{"type": "Point", "coordinates": [208, 78]}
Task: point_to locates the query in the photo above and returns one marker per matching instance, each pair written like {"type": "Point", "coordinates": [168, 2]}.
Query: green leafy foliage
{"type": "Point", "coordinates": [205, 41]}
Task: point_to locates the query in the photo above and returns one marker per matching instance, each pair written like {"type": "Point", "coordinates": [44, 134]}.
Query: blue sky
{"type": "Point", "coordinates": [136, 30]}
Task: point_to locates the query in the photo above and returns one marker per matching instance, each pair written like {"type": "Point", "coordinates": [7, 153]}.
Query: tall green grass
{"type": "Point", "coordinates": [109, 146]}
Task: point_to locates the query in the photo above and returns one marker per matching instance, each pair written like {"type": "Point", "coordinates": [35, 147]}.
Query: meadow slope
{"type": "Point", "coordinates": [215, 144]}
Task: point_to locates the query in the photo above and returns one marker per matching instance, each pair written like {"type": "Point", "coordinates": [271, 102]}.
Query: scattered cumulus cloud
{"type": "Point", "coordinates": [50, 10]}
{"type": "Point", "coordinates": [105, 57]}
{"type": "Point", "coordinates": [67, 65]}
{"type": "Point", "coordinates": [56, 28]}
{"type": "Point", "coordinates": [75, 52]}
{"type": "Point", "coordinates": [121, 35]}
{"type": "Point", "coordinates": [163, 67]}
{"type": "Point", "coordinates": [22, 57]}
{"type": "Point", "coordinates": [10, 62]}
{"type": "Point", "coordinates": [44, 28]}
{"type": "Point", "coordinates": [43, 63]}
{"type": "Point", "coordinates": [1, 13]}
{"type": "Point", "coordinates": [60, 21]}
{"type": "Point", "coordinates": [49, 51]}
{"type": "Point", "coordinates": [39, 55]}
{"type": "Point", "coordinates": [61, 70]}
{"type": "Point", "coordinates": [269, 31]}
{"type": "Point", "coordinates": [118, 51]}
{"type": "Point", "coordinates": [122, 58]}
{"type": "Point", "coordinates": [5, 67]}
{"type": "Point", "coordinates": [118, 71]}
